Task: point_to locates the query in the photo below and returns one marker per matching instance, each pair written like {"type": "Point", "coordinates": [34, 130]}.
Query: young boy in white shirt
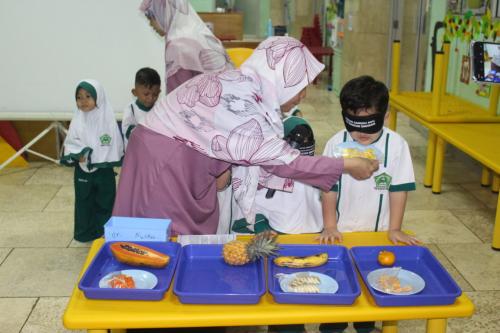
{"type": "Point", "coordinates": [146, 90]}
{"type": "Point", "coordinates": [377, 203]}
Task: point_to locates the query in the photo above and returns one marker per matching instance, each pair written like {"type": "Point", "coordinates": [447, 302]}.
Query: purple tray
{"type": "Point", "coordinates": [104, 263]}
{"type": "Point", "coordinates": [339, 266]}
{"type": "Point", "coordinates": [440, 288]}
{"type": "Point", "coordinates": [204, 278]}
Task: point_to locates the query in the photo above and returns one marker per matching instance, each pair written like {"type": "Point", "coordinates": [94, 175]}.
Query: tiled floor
{"type": "Point", "coordinates": [39, 261]}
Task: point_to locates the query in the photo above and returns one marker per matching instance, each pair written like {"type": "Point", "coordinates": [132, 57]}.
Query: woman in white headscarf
{"type": "Point", "coordinates": [220, 120]}
{"type": "Point", "coordinates": [190, 47]}
{"type": "Point", "coordinates": [93, 146]}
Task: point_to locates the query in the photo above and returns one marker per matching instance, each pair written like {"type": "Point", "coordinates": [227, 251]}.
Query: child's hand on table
{"type": "Point", "coordinates": [396, 236]}
{"type": "Point", "coordinates": [330, 235]}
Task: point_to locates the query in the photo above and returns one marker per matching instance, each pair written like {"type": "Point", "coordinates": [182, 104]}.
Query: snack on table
{"type": "Point", "coordinates": [391, 284]}
{"type": "Point", "coordinates": [122, 281]}
{"type": "Point", "coordinates": [353, 152]}
{"type": "Point", "coordinates": [302, 262]}
{"type": "Point", "coordinates": [138, 255]}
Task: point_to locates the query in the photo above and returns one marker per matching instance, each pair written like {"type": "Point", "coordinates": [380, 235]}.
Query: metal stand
{"type": "Point", "coordinates": [58, 127]}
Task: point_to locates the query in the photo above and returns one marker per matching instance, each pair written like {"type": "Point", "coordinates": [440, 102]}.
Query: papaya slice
{"type": "Point", "coordinates": [137, 255]}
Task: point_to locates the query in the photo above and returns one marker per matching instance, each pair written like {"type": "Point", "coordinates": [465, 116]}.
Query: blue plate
{"type": "Point", "coordinates": [327, 285]}
{"type": "Point", "coordinates": [406, 278]}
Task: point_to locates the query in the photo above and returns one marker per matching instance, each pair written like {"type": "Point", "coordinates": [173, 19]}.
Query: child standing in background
{"type": "Point", "coordinates": [146, 90]}
{"type": "Point", "coordinates": [377, 203]}
{"type": "Point", "coordinates": [293, 212]}
{"type": "Point", "coordinates": [93, 146]}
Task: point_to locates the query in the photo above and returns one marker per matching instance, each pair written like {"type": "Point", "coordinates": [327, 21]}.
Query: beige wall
{"type": "Point", "coordinates": [365, 47]}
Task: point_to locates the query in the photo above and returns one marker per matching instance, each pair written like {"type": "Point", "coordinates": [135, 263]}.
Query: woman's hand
{"type": "Point", "coordinates": [360, 168]}
{"type": "Point", "coordinates": [330, 235]}
{"type": "Point", "coordinates": [82, 159]}
{"type": "Point", "coordinates": [396, 236]}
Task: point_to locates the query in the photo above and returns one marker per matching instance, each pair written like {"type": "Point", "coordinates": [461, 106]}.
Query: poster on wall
{"type": "Point", "coordinates": [483, 90]}
{"type": "Point", "coordinates": [477, 7]}
{"type": "Point", "coordinates": [455, 6]}
{"type": "Point", "coordinates": [465, 71]}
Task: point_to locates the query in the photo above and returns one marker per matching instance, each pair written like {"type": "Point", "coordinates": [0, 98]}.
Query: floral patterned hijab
{"type": "Point", "coordinates": [235, 115]}
{"type": "Point", "coordinates": [190, 47]}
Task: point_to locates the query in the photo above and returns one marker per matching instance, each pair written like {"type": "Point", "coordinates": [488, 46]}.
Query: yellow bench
{"type": "Point", "coordinates": [479, 141]}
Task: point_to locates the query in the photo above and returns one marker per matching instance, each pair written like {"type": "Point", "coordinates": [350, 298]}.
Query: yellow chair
{"type": "Point", "coordinates": [238, 55]}
{"type": "Point", "coordinates": [6, 151]}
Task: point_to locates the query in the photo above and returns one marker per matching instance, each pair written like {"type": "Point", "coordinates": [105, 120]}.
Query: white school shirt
{"type": "Point", "coordinates": [294, 212]}
{"type": "Point", "coordinates": [132, 116]}
{"type": "Point", "coordinates": [363, 205]}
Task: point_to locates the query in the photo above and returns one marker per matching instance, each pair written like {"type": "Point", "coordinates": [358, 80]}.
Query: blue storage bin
{"type": "Point", "coordinates": [339, 266]}
{"type": "Point", "coordinates": [440, 288]}
{"type": "Point", "coordinates": [137, 229]}
{"type": "Point", "coordinates": [203, 277]}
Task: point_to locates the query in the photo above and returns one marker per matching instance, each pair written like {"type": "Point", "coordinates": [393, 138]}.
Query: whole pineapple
{"type": "Point", "coordinates": [240, 253]}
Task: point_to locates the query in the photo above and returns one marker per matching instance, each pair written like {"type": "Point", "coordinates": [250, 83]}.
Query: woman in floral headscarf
{"type": "Point", "coordinates": [221, 120]}
{"type": "Point", "coordinates": [190, 47]}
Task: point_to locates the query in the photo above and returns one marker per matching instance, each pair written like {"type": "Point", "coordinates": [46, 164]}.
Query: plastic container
{"type": "Point", "coordinates": [440, 288]}
{"type": "Point", "coordinates": [104, 263]}
{"type": "Point", "coordinates": [204, 278]}
{"type": "Point", "coordinates": [339, 266]}
{"type": "Point", "coordinates": [136, 229]}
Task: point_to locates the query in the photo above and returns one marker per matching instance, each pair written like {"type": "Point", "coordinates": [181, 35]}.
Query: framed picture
{"type": "Point", "coordinates": [465, 71]}
{"type": "Point", "coordinates": [477, 7]}
{"type": "Point", "coordinates": [455, 6]}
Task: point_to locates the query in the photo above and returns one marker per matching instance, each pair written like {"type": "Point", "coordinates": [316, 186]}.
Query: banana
{"type": "Point", "coordinates": [302, 262]}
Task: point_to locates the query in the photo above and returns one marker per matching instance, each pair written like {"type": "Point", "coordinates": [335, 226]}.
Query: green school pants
{"type": "Point", "coordinates": [94, 198]}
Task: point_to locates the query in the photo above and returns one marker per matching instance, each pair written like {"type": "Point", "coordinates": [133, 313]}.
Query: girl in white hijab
{"type": "Point", "coordinates": [93, 146]}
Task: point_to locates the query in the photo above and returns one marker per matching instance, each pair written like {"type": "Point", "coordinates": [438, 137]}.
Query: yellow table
{"type": "Point", "coordinates": [453, 109]}
{"type": "Point", "coordinates": [98, 315]}
{"type": "Point", "coordinates": [479, 141]}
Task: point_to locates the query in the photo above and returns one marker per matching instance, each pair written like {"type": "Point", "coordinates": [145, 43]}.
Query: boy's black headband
{"type": "Point", "coordinates": [366, 124]}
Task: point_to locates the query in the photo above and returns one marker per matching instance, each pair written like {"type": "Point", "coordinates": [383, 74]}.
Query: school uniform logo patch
{"type": "Point", "coordinates": [382, 181]}
{"type": "Point", "coordinates": [105, 140]}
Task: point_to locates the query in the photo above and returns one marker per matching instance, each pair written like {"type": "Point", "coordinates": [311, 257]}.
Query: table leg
{"type": "Point", "coordinates": [485, 177]}
{"type": "Point", "coordinates": [389, 327]}
{"type": "Point", "coordinates": [436, 326]}
{"type": "Point", "coordinates": [496, 229]}
{"type": "Point", "coordinates": [393, 118]}
{"type": "Point", "coordinates": [496, 183]}
{"type": "Point", "coordinates": [438, 166]}
{"type": "Point", "coordinates": [429, 162]}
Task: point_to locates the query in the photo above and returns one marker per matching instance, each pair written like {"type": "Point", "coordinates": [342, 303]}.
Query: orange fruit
{"type": "Point", "coordinates": [386, 258]}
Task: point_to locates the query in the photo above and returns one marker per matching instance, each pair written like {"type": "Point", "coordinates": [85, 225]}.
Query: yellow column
{"type": "Point", "coordinates": [437, 84]}
{"type": "Point", "coordinates": [429, 161]}
{"type": "Point", "coordinates": [492, 106]}
{"type": "Point", "coordinates": [446, 60]}
{"type": "Point", "coordinates": [438, 166]}
{"type": "Point", "coordinates": [393, 118]}
{"type": "Point", "coordinates": [389, 327]}
{"type": "Point", "coordinates": [495, 244]}
{"type": "Point", "coordinates": [496, 183]}
{"type": "Point", "coordinates": [436, 326]}
{"type": "Point", "coordinates": [485, 177]}
{"type": "Point", "coordinates": [396, 59]}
